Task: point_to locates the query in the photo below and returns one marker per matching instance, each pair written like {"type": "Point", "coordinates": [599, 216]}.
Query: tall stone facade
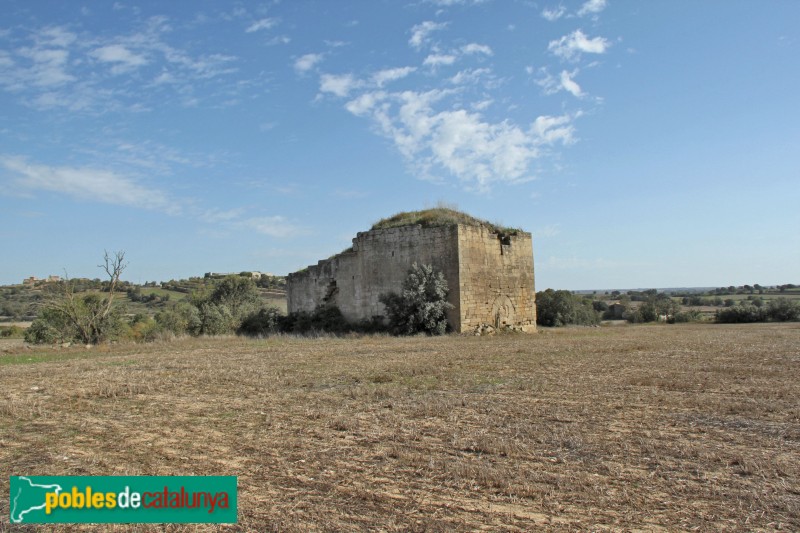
{"type": "Point", "coordinates": [490, 275]}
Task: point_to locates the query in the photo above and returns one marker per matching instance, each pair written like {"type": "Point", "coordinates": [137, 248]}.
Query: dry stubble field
{"type": "Point", "coordinates": [652, 427]}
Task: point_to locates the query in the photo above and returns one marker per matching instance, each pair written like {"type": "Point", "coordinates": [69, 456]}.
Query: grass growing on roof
{"type": "Point", "coordinates": [439, 216]}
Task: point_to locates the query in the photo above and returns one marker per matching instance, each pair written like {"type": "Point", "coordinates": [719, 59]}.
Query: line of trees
{"type": "Point", "coordinates": [777, 310]}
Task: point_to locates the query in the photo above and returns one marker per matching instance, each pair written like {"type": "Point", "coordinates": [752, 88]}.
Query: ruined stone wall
{"type": "Point", "coordinates": [490, 277]}
{"type": "Point", "coordinates": [496, 279]}
{"type": "Point", "coordinates": [378, 263]}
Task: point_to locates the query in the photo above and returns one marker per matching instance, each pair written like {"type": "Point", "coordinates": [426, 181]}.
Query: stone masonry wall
{"type": "Point", "coordinates": [496, 279]}
{"type": "Point", "coordinates": [378, 263]}
{"type": "Point", "coordinates": [490, 277]}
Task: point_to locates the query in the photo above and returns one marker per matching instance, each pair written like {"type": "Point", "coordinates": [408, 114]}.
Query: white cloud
{"type": "Point", "coordinates": [591, 7]}
{"type": "Point", "coordinates": [339, 85]}
{"type": "Point", "coordinates": [555, 13]}
{"type": "Point", "coordinates": [553, 263]}
{"type": "Point", "coordinates": [218, 215]}
{"type": "Point", "coordinates": [421, 31]}
{"type": "Point", "coordinates": [365, 103]}
{"type": "Point", "coordinates": [85, 183]}
{"type": "Point", "coordinates": [47, 68]}
{"type": "Point", "coordinates": [263, 24]}
{"type": "Point", "coordinates": [459, 142]}
{"type": "Point", "coordinates": [569, 84]}
{"type": "Point", "coordinates": [53, 70]}
{"type": "Point", "coordinates": [448, 3]}
{"type": "Point", "coordinates": [123, 58]}
{"type": "Point", "coordinates": [475, 48]}
{"type": "Point", "coordinates": [384, 76]}
{"type": "Point", "coordinates": [565, 82]}
{"type": "Point", "coordinates": [307, 62]}
{"type": "Point", "coordinates": [469, 76]}
{"type": "Point", "coordinates": [55, 36]}
{"type": "Point", "coordinates": [483, 104]}
{"type": "Point", "coordinates": [272, 226]}
{"type": "Point", "coordinates": [279, 39]}
{"type": "Point", "coordinates": [436, 60]}
{"type": "Point", "coordinates": [550, 230]}
{"type": "Point", "coordinates": [235, 219]}
{"type": "Point", "coordinates": [571, 46]}
{"type": "Point", "coordinates": [551, 130]}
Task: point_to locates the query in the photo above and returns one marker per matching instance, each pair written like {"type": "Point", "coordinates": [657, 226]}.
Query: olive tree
{"type": "Point", "coordinates": [421, 306]}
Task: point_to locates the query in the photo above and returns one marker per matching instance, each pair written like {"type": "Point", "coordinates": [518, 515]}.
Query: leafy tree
{"type": "Point", "coordinates": [739, 314]}
{"type": "Point", "coordinates": [783, 310]}
{"type": "Point", "coordinates": [422, 304]}
{"type": "Point", "coordinates": [237, 293]}
{"type": "Point", "coordinates": [212, 319]}
{"type": "Point", "coordinates": [560, 308]}
{"type": "Point", "coordinates": [50, 327]}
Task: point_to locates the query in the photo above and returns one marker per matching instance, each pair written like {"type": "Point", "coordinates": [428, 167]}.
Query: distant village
{"type": "Point", "coordinates": [33, 280]}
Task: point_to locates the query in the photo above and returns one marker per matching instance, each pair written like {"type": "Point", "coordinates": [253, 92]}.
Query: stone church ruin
{"type": "Point", "coordinates": [489, 270]}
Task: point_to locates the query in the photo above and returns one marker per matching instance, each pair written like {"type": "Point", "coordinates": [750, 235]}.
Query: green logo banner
{"type": "Point", "coordinates": [122, 499]}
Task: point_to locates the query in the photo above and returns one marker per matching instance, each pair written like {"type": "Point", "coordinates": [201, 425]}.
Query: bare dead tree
{"type": "Point", "coordinates": [113, 267]}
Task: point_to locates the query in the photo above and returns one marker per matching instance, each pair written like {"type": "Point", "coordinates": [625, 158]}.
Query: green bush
{"type": "Point", "coordinates": [783, 310]}
{"type": "Point", "coordinates": [142, 328]}
{"type": "Point", "coordinates": [422, 305]}
{"type": "Point", "coordinates": [646, 313]}
{"type": "Point", "coordinates": [50, 327]}
{"type": "Point", "coordinates": [212, 319]}
{"type": "Point", "coordinates": [265, 321]}
{"type": "Point", "coordinates": [562, 308]}
{"type": "Point", "coordinates": [176, 320]}
{"type": "Point", "coordinates": [326, 318]}
{"type": "Point", "coordinates": [740, 314]}
{"type": "Point", "coordinates": [686, 316]}
{"type": "Point", "coordinates": [8, 332]}
{"type": "Point", "coordinates": [81, 319]}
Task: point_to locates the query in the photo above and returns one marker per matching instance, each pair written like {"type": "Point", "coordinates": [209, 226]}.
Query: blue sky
{"type": "Point", "coordinates": [644, 144]}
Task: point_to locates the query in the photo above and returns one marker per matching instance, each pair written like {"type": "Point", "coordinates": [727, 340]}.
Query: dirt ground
{"type": "Point", "coordinates": [682, 427]}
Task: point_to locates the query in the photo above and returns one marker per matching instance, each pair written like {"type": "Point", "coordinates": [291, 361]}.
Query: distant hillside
{"type": "Point", "coordinates": [22, 302]}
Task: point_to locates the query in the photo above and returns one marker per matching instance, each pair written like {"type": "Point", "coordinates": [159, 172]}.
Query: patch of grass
{"type": "Point", "coordinates": [41, 357]}
{"type": "Point", "coordinates": [440, 216]}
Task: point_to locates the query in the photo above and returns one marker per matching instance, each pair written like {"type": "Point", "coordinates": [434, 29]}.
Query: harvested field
{"type": "Point", "coordinates": [649, 427]}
